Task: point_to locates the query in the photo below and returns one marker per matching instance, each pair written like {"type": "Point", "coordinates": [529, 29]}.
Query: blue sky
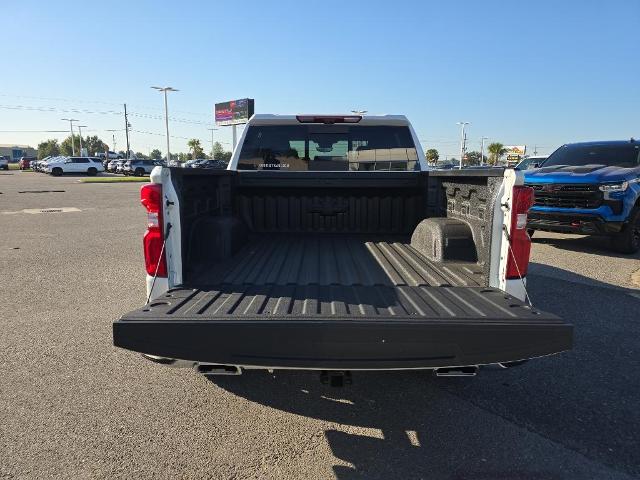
{"type": "Point", "coordinates": [536, 73]}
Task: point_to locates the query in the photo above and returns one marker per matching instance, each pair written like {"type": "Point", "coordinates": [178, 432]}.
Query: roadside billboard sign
{"type": "Point", "coordinates": [515, 149]}
{"type": "Point", "coordinates": [234, 112]}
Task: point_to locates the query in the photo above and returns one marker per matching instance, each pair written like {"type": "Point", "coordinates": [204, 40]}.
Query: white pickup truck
{"type": "Point", "coordinates": [328, 244]}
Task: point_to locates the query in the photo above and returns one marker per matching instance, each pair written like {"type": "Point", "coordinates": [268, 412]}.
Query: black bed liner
{"type": "Point", "coordinates": [340, 302]}
{"type": "Point", "coordinates": [344, 260]}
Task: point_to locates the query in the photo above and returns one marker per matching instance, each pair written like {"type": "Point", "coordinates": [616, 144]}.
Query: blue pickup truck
{"type": "Point", "coordinates": [590, 188]}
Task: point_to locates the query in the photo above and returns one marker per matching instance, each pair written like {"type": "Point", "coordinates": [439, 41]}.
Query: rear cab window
{"type": "Point", "coordinates": [328, 147]}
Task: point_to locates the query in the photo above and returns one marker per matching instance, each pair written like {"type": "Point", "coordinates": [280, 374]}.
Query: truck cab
{"type": "Point", "coordinates": [590, 188]}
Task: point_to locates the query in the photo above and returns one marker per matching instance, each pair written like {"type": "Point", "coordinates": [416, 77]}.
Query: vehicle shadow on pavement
{"type": "Point", "coordinates": [583, 244]}
{"type": "Point", "coordinates": [539, 420]}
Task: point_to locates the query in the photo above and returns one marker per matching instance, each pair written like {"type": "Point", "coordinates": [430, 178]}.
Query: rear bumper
{"type": "Point", "coordinates": [345, 344]}
{"type": "Point", "coordinates": [581, 223]}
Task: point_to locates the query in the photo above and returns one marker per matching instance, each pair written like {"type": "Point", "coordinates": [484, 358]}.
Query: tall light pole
{"type": "Point", "coordinates": [73, 143]}
{"type": "Point", "coordinates": [463, 142]}
{"type": "Point", "coordinates": [166, 113]}
{"type": "Point", "coordinates": [113, 138]}
{"type": "Point", "coordinates": [80, 127]}
{"type": "Point", "coordinates": [212, 130]}
{"type": "Point", "coordinates": [482, 149]}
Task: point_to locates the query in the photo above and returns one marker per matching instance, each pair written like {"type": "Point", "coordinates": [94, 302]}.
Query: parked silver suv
{"type": "Point", "coordinates": [139, 167]}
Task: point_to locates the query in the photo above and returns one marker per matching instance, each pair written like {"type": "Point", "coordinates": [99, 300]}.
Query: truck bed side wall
{"type": "Point", "coordinates": [470, 199]}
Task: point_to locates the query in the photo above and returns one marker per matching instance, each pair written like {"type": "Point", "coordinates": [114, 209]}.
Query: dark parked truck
{"type": "Point", "coordinates": [327, 244]}
{"type": "Point", "coordinates": [590, 188]}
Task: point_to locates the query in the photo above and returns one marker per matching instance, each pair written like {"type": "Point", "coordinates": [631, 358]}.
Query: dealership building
{"type": "Point", "coordinates": [15, 152]}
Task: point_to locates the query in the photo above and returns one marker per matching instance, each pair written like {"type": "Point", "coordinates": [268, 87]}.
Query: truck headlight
{"type": "Point", "coordinates": [614, 187]}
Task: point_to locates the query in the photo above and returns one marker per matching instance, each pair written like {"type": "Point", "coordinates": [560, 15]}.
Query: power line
{"type": "Point", "coordinates": [42, 131]}
{"type": "Point", "coordinates": [101, 112]}
{"type": "Point", "coordinates": [101, 102]}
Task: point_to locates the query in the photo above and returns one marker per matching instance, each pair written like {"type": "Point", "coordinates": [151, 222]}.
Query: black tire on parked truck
{"type": "Point", "coordinates": [92, 171]}
{"type": "Point", "coordinates": [56, 172]}
{"type": "Point", "coordinates": [139, 172]}
{"type": "Point", "coordinates": [628, 240]}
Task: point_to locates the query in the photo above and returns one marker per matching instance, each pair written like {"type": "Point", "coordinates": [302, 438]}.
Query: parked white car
{"type": "Point", "coordinates": [110, 154]}
{"type": "Point", "coordinates": [41, 165]}
{"type": "Point", "coordinates": [90, 166]}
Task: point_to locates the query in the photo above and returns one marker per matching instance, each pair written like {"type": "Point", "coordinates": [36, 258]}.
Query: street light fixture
{"type": "Point", "coordinates": [73, 144]}
{"type": "Point", "coordinates": [463, 142]}
{"type": "Point", "coordinates": [80, 127]}
{"type": "Point", "coordinates": [359, 112]}
{"type": "Point", "coordinates": [166, 113]}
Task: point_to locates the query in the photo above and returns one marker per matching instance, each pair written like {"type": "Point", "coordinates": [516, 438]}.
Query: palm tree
{"type": "Point", "coordinates": [496, 150]}
{"type": "Point", "coordinates": [195, 147]}
{"type": "Point", "coordinates": [432, 155]}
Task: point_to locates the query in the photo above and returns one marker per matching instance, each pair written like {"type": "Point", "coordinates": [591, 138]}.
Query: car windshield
{"type": "Point", "coordinates": [610, 155]}
{"type": "Point", "coordinates": [328, 147]}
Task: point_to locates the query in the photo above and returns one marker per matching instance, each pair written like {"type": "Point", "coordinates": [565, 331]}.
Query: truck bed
{"type": "Point", "coordinates": [341, 260]}
{"type": "Point", "coordinates": [344, 302]}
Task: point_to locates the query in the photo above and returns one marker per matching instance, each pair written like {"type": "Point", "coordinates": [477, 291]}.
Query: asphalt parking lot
{"type": "Point", "coordinates": [72, 405]}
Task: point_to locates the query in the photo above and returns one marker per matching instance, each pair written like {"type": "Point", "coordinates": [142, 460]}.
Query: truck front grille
{"type": "Point", "coordinates": [567, 195]}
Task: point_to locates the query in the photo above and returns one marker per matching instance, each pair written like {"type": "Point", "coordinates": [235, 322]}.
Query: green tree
{"type": "Point", "coordinates": [48, 148]}
{"type": "Point", "coordinates": [65, 146]}
{"type": "Point", "coordinates": [94, 145]}
{"type": "Point", "coordinates": [219, 152]}
{"type": "Point", "coordinates": [140, 155]}
{"type": "Point", "coordinates": [155, 154]}
{"type": "Point", "coordinates": [432, 156]}
{"type": "Point", "coordinates": [473, 158]}
{"type": "Point", "coordinates": [195, 148]}
{"type": "Point", "coordinates": [496, 150]}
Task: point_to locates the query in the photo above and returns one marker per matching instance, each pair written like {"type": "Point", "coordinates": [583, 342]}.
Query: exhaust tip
{"type": "Point", "coordinates": [218, 369]}
{"type": "Point", "coordinates": [468, 371]}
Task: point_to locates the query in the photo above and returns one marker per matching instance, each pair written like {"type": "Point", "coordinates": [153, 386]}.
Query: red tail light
{"type": "Point", "coordinates": [154, 257]}
{"type": "Point", "coordinates": [518, 259]}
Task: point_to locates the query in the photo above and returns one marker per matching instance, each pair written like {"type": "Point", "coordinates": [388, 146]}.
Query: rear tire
{"type": "Point", "coordinates": [56, 172]}
{"type": "Point", "coordinates": [92, 172]}
{"type": "Point", "coordinates": [139, 172]}
{"type": "Point", "coordinates": [628, 240]}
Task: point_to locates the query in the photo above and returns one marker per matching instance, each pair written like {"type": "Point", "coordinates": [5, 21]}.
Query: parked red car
{"type": "Point", "coordinates": [25, 162]}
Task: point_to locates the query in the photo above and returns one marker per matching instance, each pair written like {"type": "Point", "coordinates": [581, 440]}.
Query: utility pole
{"type": "Point", "coordinates": [212, 130]}
{"type": "Point", "coordinates": [166, 114]}
{"type": "Point", "coordinates": [482, 149]}
{"type": "Point", "coordinates": [535, 150]}
{"type": "Point", "coordinates": [126, 129]}
{"type": "Point", "coordinates": [80, 127]}
{"type": "Point", "coordinates": [463, 142]}
{"type": "Point", "coordinates": [73, 143]}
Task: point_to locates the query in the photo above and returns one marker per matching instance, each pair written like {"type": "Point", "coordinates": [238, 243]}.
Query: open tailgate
{"type": "Point", "coordinates": [338, 327]}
